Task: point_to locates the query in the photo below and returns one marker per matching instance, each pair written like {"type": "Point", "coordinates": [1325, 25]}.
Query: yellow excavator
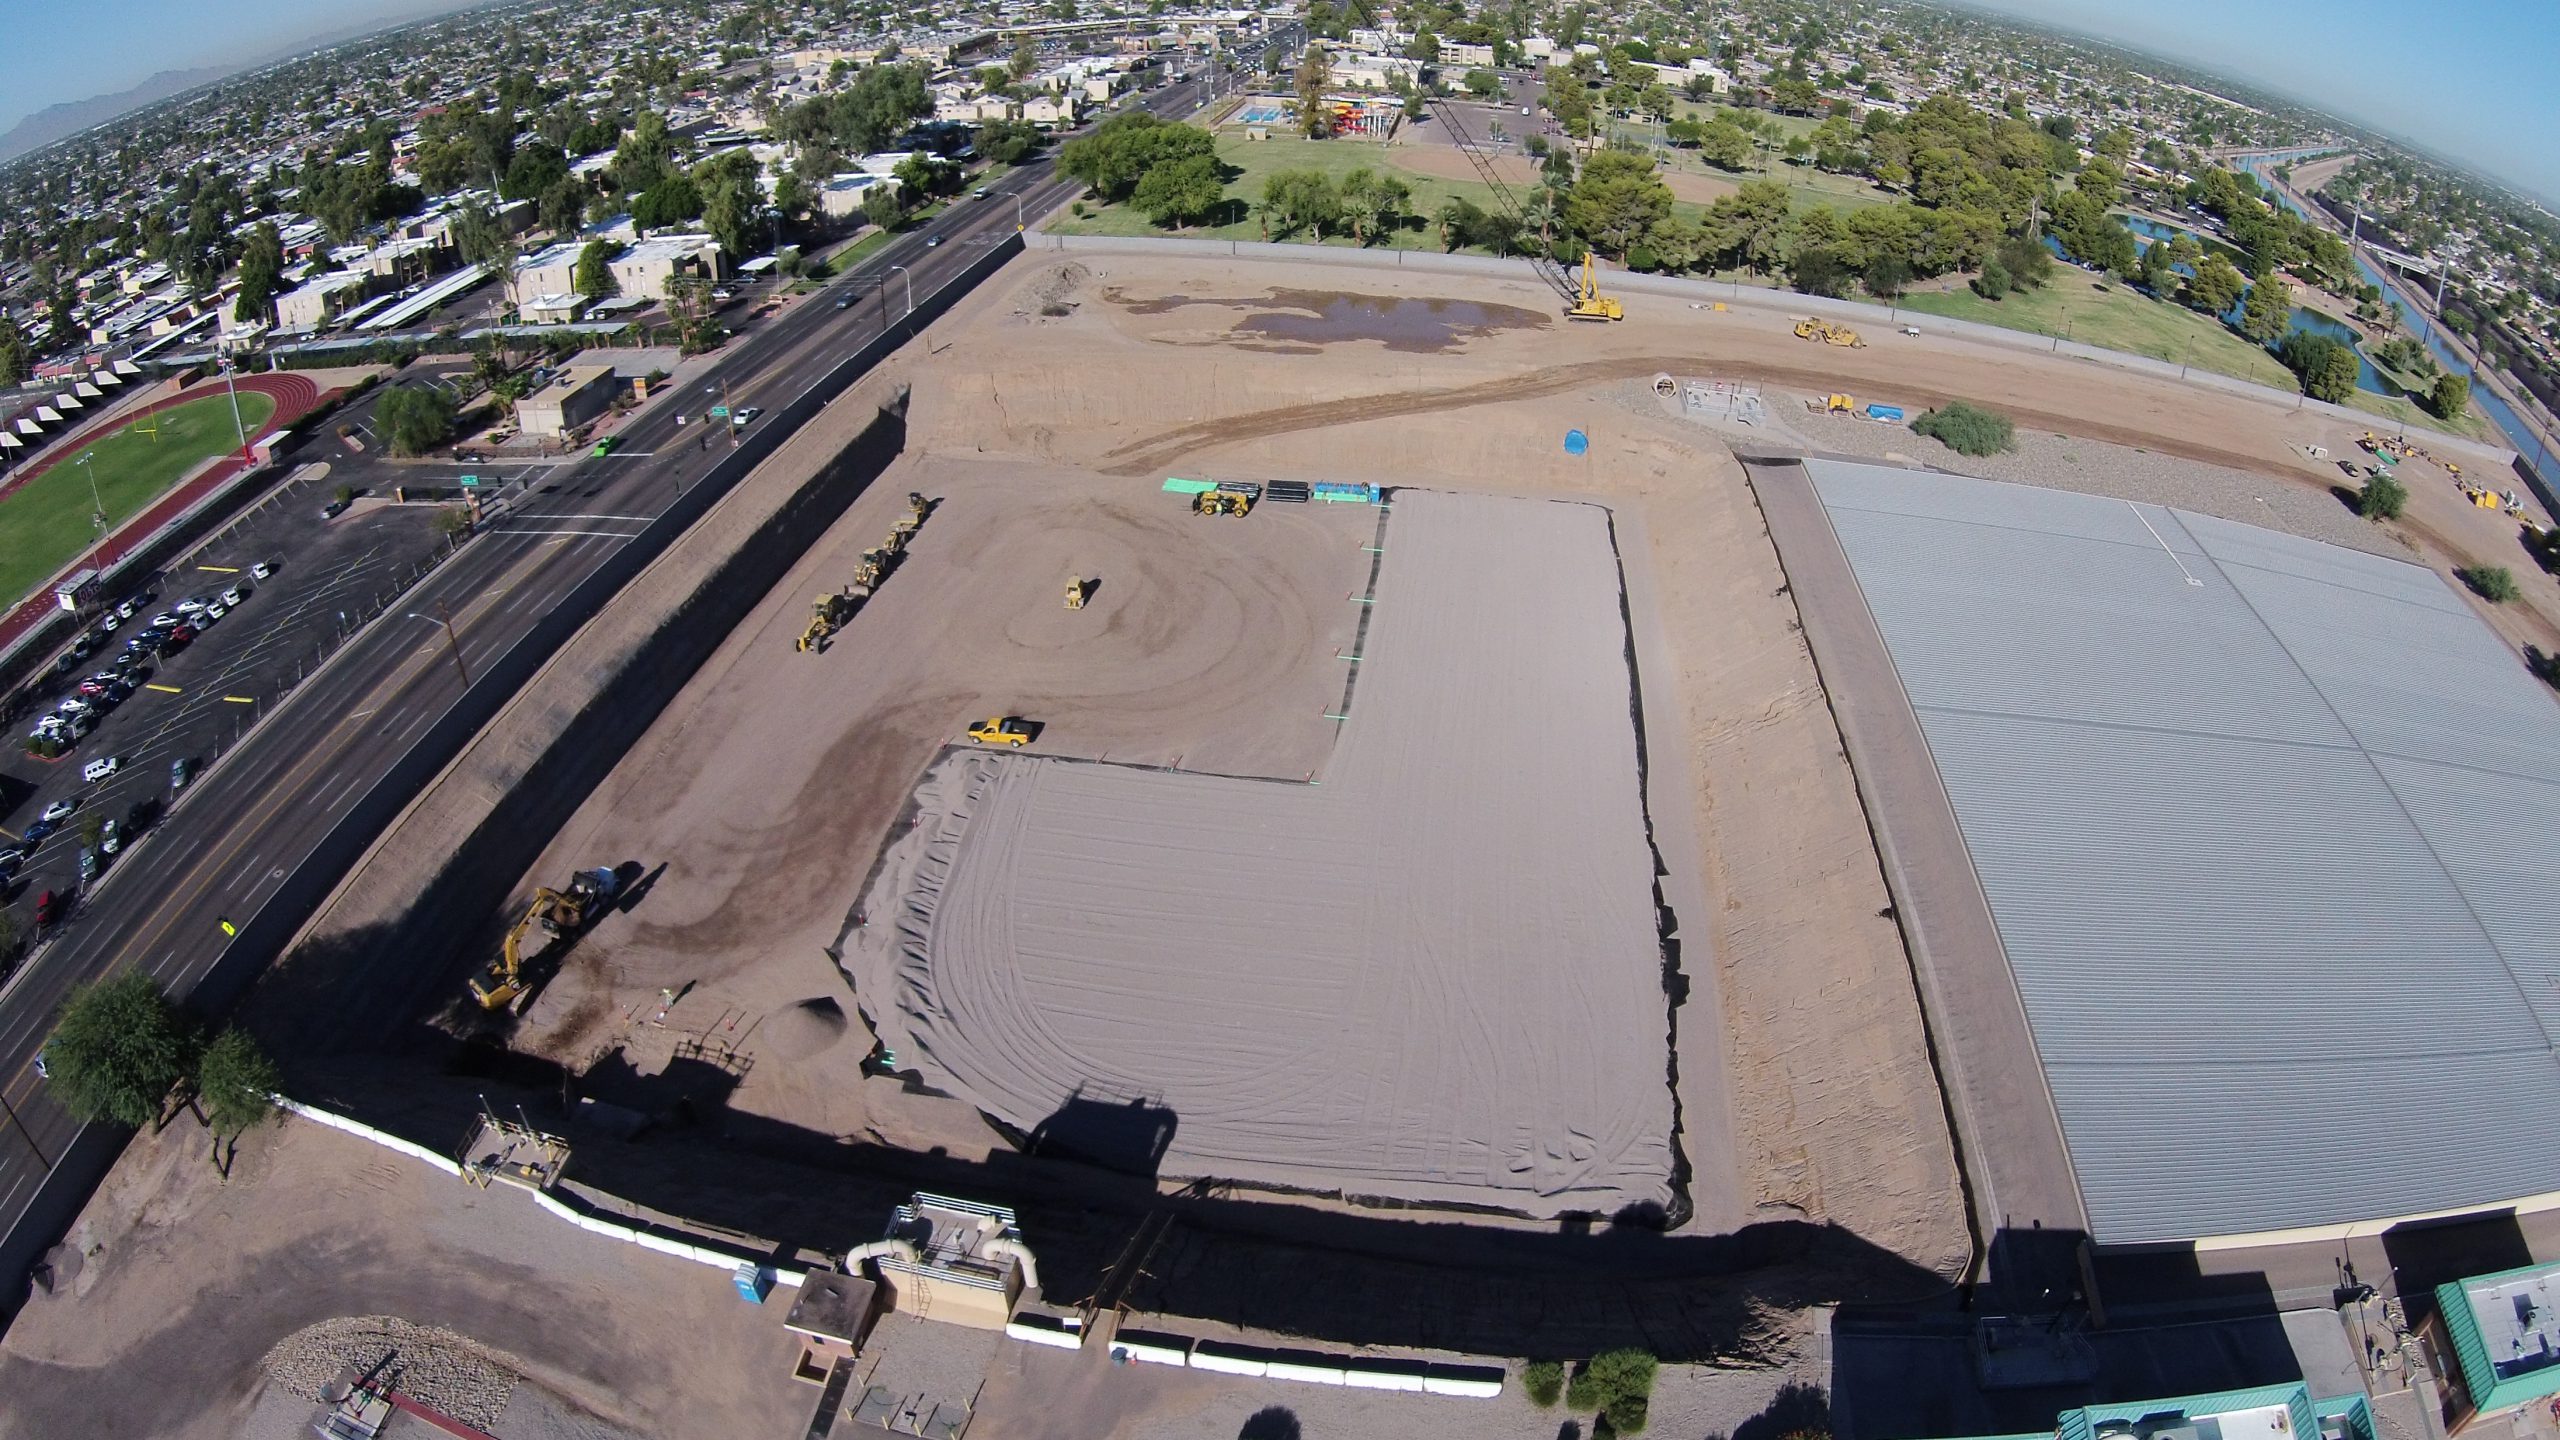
{"type": "Point", "coordinates": [1590, 304]}
{"type": "Point", "coordinates": [562, 914]}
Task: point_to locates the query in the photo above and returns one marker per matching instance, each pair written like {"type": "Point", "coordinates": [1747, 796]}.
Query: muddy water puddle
{"type": "Point", "coordinates": [1288, 321]}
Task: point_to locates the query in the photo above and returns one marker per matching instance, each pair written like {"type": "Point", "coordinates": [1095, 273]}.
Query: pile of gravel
{"type": "Point", "coordinates": [438, 1368]}
{"type": "Point", "coordinates": [800, 1032]}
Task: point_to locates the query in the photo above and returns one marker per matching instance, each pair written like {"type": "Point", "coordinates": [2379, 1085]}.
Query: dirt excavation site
{"type": "Point", "coordinates": [1438, 920]}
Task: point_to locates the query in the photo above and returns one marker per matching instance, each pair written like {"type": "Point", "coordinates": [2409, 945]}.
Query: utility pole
{"type": "Point", "coordinates": [23, 1134]}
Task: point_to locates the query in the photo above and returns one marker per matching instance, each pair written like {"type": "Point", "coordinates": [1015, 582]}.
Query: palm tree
{"type": "Point", "coordinates": [1451, 212]}
{"type": "Point", "coordinates": [1540, 210]}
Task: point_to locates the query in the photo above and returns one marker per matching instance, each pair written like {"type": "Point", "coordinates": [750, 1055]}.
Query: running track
{"type": "Point", "coordinates": [295, 397]}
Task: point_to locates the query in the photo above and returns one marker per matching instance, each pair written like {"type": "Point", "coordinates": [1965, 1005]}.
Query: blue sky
{"type": "Point", "coordinates": [61, 50]}
{"type": "Point", "coordinates": [2466, 79]}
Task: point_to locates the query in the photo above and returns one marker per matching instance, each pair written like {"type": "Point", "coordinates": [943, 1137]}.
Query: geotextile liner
{"type": "Point", "coordinates": [1435, 974]}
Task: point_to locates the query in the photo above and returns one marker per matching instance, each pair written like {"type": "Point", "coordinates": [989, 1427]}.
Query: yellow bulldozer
{"type": "Point", "coordinates": [561, 914]}
{"type": "Point", "coordinates": [1075, 592]}
{"type": "Point", "coordinates": [872, 568]}
{"type": "Point", "coordinates": [1589, 303]}
{"type": "Point", "coordinates": [1222, 502]}
{"type": "Point", "coordinates": [1814, 327]}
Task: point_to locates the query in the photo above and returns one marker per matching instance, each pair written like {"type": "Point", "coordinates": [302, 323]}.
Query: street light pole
{"type": "Point", "coordinates": [23, 1133]}
{"type": "Point", "coordinates": [1017, 212]}
{"type": "Point", "coordinates": [453, 642]}
{"type": "Point", "coordinates": [911, 286]}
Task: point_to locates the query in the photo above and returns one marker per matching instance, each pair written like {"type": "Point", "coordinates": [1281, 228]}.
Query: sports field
{"type": "Point", "coordinates": [46, 521]}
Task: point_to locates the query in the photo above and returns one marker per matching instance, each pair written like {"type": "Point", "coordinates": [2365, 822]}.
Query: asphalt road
{"type": "Point", "coordinates": [234, 836]}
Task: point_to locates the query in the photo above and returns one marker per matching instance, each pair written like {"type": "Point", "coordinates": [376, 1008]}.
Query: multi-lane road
{"type": "Point", "coordinates": [223, 853]}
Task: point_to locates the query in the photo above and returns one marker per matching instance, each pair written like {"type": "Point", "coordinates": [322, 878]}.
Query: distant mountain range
{"type": "Point", "coordinates": [71, 117]}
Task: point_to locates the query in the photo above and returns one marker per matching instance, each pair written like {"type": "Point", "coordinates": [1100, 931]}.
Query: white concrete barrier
{"type": "Point", "coordinates": [1041, 1335]}
{"type": "Point", "coordinates": [1359, 1379]}
{"type": "Point", "coordinates": [1305, 1374]}
{"type": "Point", "coordinates": [1461, 1388]}
{"type": "Point", "coordinates": [1229, 1365]}
{"type": "Point", "coordinates": [363, 1131]}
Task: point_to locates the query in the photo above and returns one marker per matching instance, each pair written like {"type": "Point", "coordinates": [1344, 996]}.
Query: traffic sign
{"type": "Point", "coordinates": [719, 412]}
{"type": "Point", "coordinates": [470, 482]}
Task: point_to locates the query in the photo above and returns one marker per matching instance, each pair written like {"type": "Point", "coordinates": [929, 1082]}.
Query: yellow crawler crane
{"type": "Point", "coordinates": [1589, 303]}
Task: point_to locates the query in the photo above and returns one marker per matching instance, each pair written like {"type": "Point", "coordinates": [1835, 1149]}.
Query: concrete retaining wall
{"type": "Point", "coordinates": [1744, 297]}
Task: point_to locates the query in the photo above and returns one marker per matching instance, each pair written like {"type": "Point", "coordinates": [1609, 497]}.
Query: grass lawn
{"type": "Point", "coordinates": [2119, 317]}
{"type": "Point", "coordinates": [45, 522]}
{"type": "Point", "coordinates": [1253, 161]}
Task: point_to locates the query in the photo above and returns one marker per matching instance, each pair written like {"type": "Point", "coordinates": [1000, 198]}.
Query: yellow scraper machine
{"type": "Point", "coordinates": [829, 613]}
{"type": "Point", "coordinates": [1589, 303]}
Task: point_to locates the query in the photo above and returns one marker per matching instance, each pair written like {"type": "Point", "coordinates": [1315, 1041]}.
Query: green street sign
{"type": "Point", "coordinates": [468, 481]}
{"type": "Point", "coordinates": [719, 412]}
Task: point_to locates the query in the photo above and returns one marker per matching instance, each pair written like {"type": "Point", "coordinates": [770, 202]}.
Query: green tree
{"type": "Point", "coordinates": [414, 419]}
{"type": "Point", "coordinates": [2267, 313]}
{"type": "Point", "coordinates": [2029, 264]}
{"type": "Point", "coordinates": [1722, 144]}
{"type": "Point", "coordinates": [14, 365]}
{"type": "Point", "coordinates": [534, 169]}
{"type": "Point", "coordinates": [2382, 498]}
{"type": "Point", "coordinates": [1315, 73]}
{"type": "Point", "coordinates": [1749, 227]}
{"type": "Point", "coordinates": [594, 274]}
{"type": "Point", "coordinates": [1544, 1380]}
{"type": "Point", "coordinates": [261, 275]}
{"type": "Point", "coordinates": [671, 202]}
{"type": "Point", "coordinates": [1885, 275]}
{"type": "Point", "coordinates": [2325, 366]}
{"type": "Point", "coordinates": [1112, 158]}
{"type": "Point", "coordinates": [1615, 200]}
{"type": "Point", "coordinates": [1180, 192]}
{"type": "Point", "coordinates": [2217, 286]}
{"type": "Point", "coordinates": [236, 1088]}
{"type": "Point", "coordinates": [119, 1050]}
{"type": "Point", "coordinates": [732, 192]}
{"type": "Point", "coordinates": [1483, 84]}
{"type": "Point", "coordinates": [1372, 204]}
{"type": "Point", "coordinates": [1993, 282]}
{"type": "Point", "coordinates": [2451, 397]}
{"type": "Point", "coordinates": [1966, 429]}
{"type": "Point", "coordinates": [2493, 583]}
{"type": "Point", "coordinates": [1619, 1385]}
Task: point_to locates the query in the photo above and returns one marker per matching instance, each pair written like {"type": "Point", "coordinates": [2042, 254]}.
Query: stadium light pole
{"type": "Point", "coordinates": [97, 516]}
{"type": "Point", "coordinates": [237, 427]}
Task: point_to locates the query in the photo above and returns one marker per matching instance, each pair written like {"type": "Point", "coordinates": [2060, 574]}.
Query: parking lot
{"type": "Point", "coordinates": [192, 703]}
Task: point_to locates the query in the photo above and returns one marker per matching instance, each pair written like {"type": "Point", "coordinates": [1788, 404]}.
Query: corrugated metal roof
{"type": "Point", "coordinates": [2269, 829]}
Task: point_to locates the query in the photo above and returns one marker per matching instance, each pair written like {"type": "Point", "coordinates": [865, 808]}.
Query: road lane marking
{"type": "Point", "coordinates": [606, 534]}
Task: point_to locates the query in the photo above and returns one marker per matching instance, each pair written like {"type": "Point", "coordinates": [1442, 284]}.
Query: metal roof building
{"type": "Point", "coordinates": [2268, 829]}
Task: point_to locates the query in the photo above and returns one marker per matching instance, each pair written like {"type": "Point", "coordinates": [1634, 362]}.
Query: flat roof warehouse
{"type": "Point", "coordinates": [2265, 828]}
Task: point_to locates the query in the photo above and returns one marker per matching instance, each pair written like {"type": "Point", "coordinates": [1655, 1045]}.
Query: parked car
{"type": "Point", "coordinates": [139, 815]}
{"type": "Point", "coordinates": [165, 619]}
{"type": "Point", "coordinates": [89, 863]}
{"type": "Point", "coordinates": [125, 610]}
{"type": "Point", "coordinates": [58, 811]}
{"type": "Point", "coordinates": [265, 568]}
{"type": "Point", "coordinates": [37, 832]}
{"type": "Point", "coordinates": [93, 687]}
{"type": "Point", "coordinates": [13, 857]}
{"type": "Point", "coordinates": [102, 768]}
{"type": "Point", "coordinates": [73, 705]}
{"type": "Point", "coordinates": [234, 595]}
{"type": "Point", "coordinates": [51, 906]}
{"type": "Point", "coordinates": [333, 509]}
{"type": "Point", "coordinates": [181, 770]}
{"type": "Point", "coordinates": [110, 838]}
{"type": "Point", "coordinates": [213, 612]}
{"type": "Point", "coordinates": [192, 605]}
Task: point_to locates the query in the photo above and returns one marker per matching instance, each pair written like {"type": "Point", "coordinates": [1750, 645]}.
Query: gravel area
{"type": "Point", "coordinates": [438, 1368]}
{"type": "Point", "coordinates": [533, 1413]}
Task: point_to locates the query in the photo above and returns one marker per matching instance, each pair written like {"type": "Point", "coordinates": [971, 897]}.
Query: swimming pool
{"type": "Point", "coordinates": [1261, 112]}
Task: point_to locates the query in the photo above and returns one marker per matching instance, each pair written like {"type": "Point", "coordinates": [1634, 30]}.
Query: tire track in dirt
{"type": "Point", "coordinates": [1154, 453]}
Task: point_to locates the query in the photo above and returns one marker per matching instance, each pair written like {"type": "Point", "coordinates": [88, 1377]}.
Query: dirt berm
{"type": "Point", "coordinates": [434, 886]}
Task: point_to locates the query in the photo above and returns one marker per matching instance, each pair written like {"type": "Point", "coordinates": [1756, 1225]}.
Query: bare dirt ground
{"type": "Point", "coordinates": [190, 1279]}
{"type": "Point", "coordinates": [764, 790]}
